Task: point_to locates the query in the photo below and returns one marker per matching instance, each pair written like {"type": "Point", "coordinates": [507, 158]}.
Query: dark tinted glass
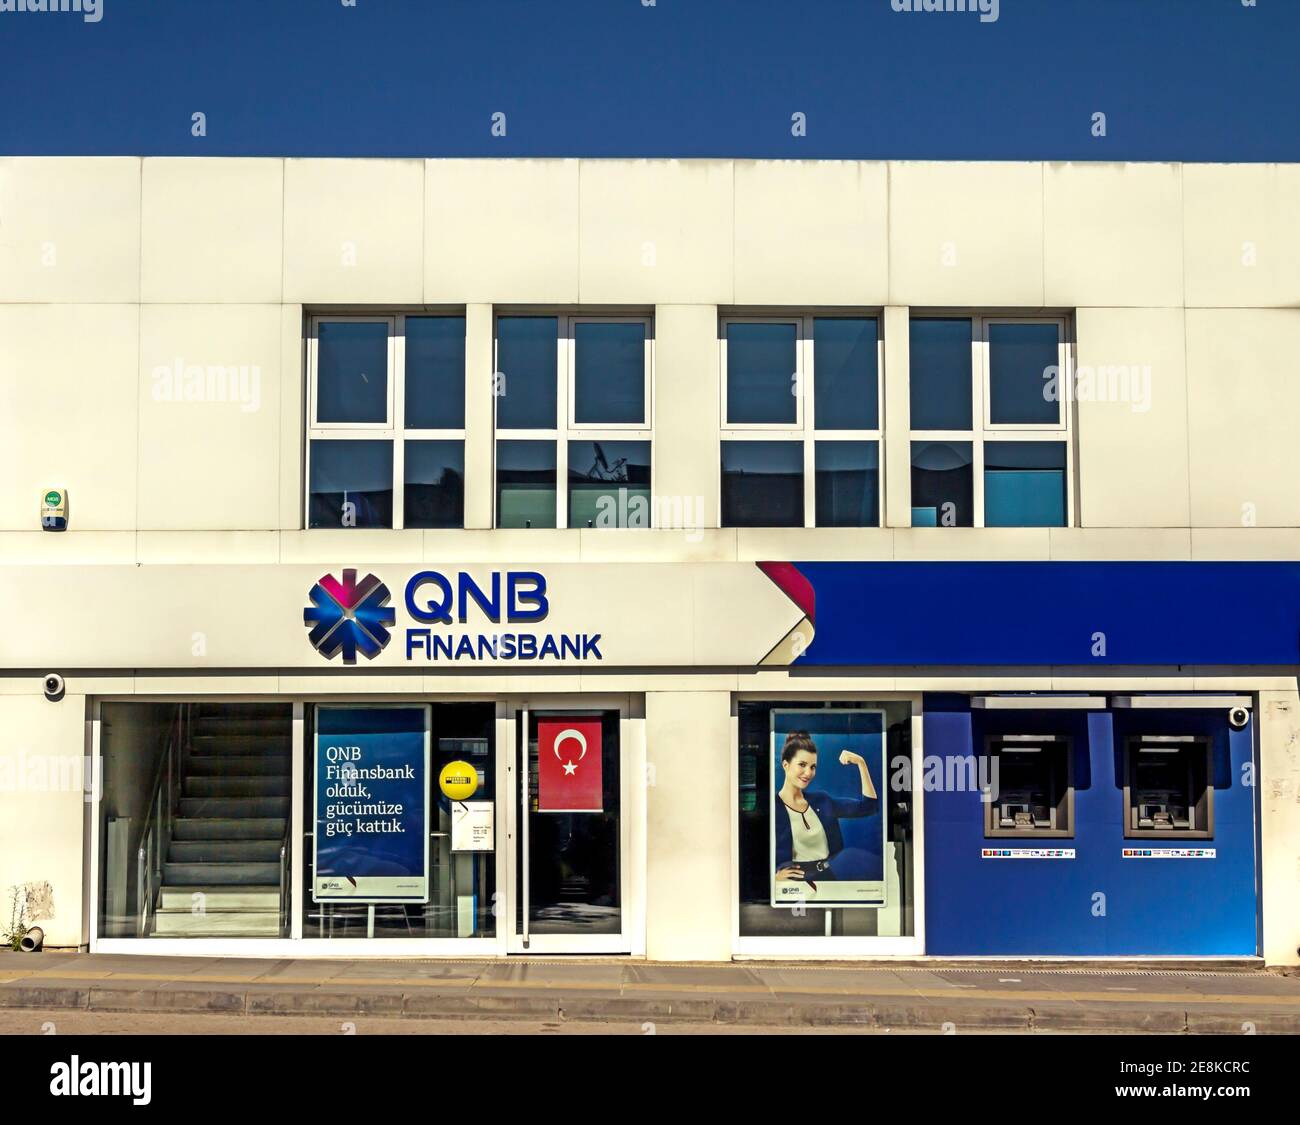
{"type": "Point", "coordinates": [1022, 361]}
{"type": "Point", "coordinates": [761, 368]}
{"type": "Point", "coordinates": [609, 484]}
{"type": "Point", "coordinates": [435, 372]}
{"type": "Point", "coordinates": [848, 483]}
{"type": "Point", "coordinates": [609, 373]}
{"type": "Point", "coordinates": [352, 371]}
{"type": "Point", "coordinates": [942, 484]}
{"type": "Point", "coordinates": [939, 358]}
{"type": "Point", "coordinates": [844, 370]}
{"type": "Point", "coordinates": [762, 484]}
{"type": "Point", "coordinates": [1024, 484]}
{"type": "Point", "coordinates": [525, 389]}
{"type": "Point", "coordinates": [573, 857]}
{"type": "Point", "coordinates": [351, 484]}
{"type": "Point", "coordinates": [434, 488]}
{"type": "Point", "coordinates": [525, 484]}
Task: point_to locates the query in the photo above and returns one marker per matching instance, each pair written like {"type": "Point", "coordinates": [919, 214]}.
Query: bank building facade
{"type": "Point", "coordinates": [684, 560]}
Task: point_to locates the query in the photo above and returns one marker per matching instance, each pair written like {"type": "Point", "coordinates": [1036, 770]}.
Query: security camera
{"type": "Point", "coordinates": [54, 687]}
{"type": "Point", "coordinates": [1238, 717]}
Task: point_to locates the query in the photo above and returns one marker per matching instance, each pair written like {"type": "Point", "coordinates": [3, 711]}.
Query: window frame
{"type": "Point", "coordinates": [804, 430]}
{"type": "Point", "coordinates": [313, 375]}
{"type": "Point", "coordinates": [982, 430]}
{"type": "Point", "coordinates": [570, 400]}
{"type": "Point", "coordinates": [985, 352]}
{"type": "Point", "coordinates": [833, 946]}
{"type": "Point", "coordinates": [393, 429]}
{"type": "Point", "coordinates": [565, 428]}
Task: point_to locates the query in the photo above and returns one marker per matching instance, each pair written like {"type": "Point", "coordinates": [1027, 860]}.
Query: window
{"type": "Point", "coordinates": [573, 404]}
{"type": "Point", "coordinates": [386, 421]}
{"type": "Point", "coordinates": [990, 427]}
{"type": "Point", "coordinates": [1032, 781]}
{"type": "Point", "coordinates": [460, 885]}
{"type": "Point", "coordinates": [1168, 787]}
{"type": "Point", "coordinates": [801, 421]}
{"type": "Point", "coordinates": [195, 794]}
{"type": "Point", "coordinates": [860, 872]}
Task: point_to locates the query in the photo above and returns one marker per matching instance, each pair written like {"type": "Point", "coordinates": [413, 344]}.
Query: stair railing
{"type": "Point", "coordinates": [284, 884]}
{"type": "Point", "coordinates": [156, 837]}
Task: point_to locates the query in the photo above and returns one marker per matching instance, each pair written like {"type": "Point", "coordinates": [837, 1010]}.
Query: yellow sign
{"type": "Point", "coordinates": [458, 781]}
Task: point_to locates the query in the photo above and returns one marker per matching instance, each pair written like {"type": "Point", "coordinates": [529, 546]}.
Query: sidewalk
{"type": "Point", "coordinates": [1007, 996]}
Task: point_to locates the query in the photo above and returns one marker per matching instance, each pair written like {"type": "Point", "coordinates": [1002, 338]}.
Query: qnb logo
{"type": "Point", "coordinates": [349, 616]}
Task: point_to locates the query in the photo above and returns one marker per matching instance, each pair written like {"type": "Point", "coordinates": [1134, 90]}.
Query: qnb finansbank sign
{"type": "Point", "coordinates": [455, 617]}
{"type": "Point", "coordinates": [415, 616]}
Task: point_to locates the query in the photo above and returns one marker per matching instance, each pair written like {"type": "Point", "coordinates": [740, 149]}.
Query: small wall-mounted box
{"type": "Point", "coordinates": [54, 509]}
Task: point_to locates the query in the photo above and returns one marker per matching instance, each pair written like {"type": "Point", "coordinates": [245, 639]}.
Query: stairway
{"type": "Point", "coordinates": [221, 875]}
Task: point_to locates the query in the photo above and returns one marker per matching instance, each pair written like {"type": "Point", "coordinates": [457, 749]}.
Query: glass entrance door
{"type": "Point", "coordinates": [570, 838]}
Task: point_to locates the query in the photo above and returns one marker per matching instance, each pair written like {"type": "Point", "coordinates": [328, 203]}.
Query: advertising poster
{"type": "Point", "coordinates": [828, 822]}
{"type": "Point", "coordinates": [371, 842]}
{"type": "Point", "coordinates": [569, 776]}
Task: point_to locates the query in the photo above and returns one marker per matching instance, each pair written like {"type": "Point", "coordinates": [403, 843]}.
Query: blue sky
{"type": "Point", "coordinates": [1177, 79]}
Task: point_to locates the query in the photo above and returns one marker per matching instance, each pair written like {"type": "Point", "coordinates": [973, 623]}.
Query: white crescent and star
{"type": "Point", "coordinates": [570, 767]}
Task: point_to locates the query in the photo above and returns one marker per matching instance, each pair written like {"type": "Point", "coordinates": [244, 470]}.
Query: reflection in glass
{"type": "Point", "coordinates": [526, 372]}
{"type": "Point", "coordinates": [352, 371]}
{"type": "Point", "coordinates": [1023, 359]}
{"type": "Point", "coordinates": [434, 485]}
{"type": "Point", "coordinates": [435, 372]}
{"type": "Point", "coordinates": [1024, 484]}
{"type": "Point", "coordinates": [940, 362]}
{"type": "Point", "coordinates": [351, 484]}
{"type": "Point", "coordinates": [609, 484]}
{"type": "Point", "coordinates": [761, 369]}
{"type": "Point", "coordinates": [762, 484]}
{"type": "Point", "coordinates": [848, 484]}
{"type": "Point", "coordinates": [525, 484]}
{"type": "Point", "coordinates": [845, 376]}
{"type": "Point", "coordinates": [942, 484]}
{"type": "Point", "coordinates": [609, 373]}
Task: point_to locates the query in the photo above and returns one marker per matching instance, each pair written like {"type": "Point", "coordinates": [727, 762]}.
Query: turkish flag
{"type": "Point", "coordinates": [568, 765]}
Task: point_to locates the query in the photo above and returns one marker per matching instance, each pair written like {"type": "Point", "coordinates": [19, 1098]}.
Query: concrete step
{"type": "Point", "coordinates": [217, 923]}
{"type": "Point", "coordinates": [221, 874]}
{"type": "Point", "coordinates": [229, 828]}
{"type": "Point", "coordinates": [252, 807]}
{"type": "Point", "coordinates": [224, 851]}
{"type": "Point", "coordinates": [243, 765]}
{"type": "Point", "coordinates": [236, 786]}
{"type": "Point", "coordinates": [181, 899]}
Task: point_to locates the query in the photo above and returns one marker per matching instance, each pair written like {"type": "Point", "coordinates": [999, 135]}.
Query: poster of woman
{"type": "Point", "coordinates": [828, 823]}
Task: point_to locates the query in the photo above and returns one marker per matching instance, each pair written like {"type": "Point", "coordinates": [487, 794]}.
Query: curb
{"type": "Point", "coordinates": [925, 1015]}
